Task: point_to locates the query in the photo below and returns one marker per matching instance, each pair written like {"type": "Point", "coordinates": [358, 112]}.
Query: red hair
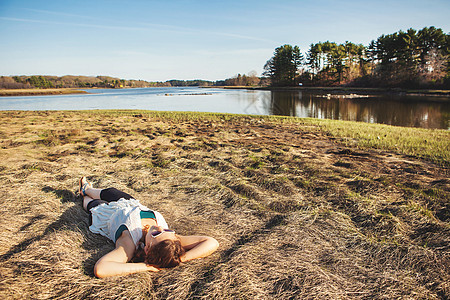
{"type": "Point", "coordinates": [166, 254]}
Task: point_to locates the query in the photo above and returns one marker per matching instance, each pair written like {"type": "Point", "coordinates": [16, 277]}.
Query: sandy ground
{"type": "Point", "coordinates": [297, 214]}
{"type": "Point", "coordinates": [39, 92]}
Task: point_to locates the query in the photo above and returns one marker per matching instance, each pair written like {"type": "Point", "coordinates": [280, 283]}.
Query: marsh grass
{"type": "Point", "coordinates": [303, 209]}
{"type": "Point", "coordinates": [432, 144]}
{"type": "Point", "coordinates": [426, 143]}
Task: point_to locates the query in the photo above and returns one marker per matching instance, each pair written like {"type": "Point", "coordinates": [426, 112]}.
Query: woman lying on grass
{"type": "Point", "coordinates": [138, 233]}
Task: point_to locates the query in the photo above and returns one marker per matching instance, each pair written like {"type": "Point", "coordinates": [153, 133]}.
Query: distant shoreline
{"type": "Point", "coordinates": [321, 90]}
{"type": "Point", "coordinates": [39, 92]}
{"type": "Point", "coordinates": [350, 90]}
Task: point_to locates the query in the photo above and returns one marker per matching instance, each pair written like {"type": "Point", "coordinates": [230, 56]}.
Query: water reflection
{"type": "Point", "coordinates": [401, 111]}
{"type": "Point", "coordinates": [392, 110]}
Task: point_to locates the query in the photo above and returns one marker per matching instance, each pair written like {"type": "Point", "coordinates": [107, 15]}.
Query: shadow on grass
{"type": "Point", "coordinates": [75, 219]}
{"type": "Point", "coordinates": [64, 195]}
{"type": "Point", "coordinates": [198, 287]}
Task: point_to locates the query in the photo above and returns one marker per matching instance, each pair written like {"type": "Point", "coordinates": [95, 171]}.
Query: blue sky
{"type": "Point", "coordinates": [188, 39]}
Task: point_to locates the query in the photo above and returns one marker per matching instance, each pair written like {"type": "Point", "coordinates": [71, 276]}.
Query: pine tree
{"type": "Point", "coordinates": [283, 67]}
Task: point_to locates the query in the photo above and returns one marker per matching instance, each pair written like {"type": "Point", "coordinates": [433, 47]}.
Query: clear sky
{"type": "Point", "coordinates": [158, 40]}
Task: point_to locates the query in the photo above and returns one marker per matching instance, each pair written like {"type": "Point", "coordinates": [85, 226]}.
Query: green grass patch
{"type": "Point", "coordinates": [433, 144]}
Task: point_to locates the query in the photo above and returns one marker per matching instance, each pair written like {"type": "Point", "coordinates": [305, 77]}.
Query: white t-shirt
{"type": "Point", "coordinates": [108, 217]}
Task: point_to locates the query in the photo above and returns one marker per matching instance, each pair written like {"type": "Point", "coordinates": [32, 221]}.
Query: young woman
{"type": "Point", "coordinates": [138, 232]}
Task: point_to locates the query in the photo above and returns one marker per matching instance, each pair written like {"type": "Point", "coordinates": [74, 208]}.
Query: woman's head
{"type": "Point", "coordinates": [162, 248]}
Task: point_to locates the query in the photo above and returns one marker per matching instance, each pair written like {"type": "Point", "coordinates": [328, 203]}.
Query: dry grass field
{"type": "Point", "coordinates": [302, 209]}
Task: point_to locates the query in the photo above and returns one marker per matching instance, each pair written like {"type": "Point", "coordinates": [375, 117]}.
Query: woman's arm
{"type": "Point", "coordinates": [197, 246]}
{"type": "Point", "coordinates": [116, 262]}
{"type": "Point", "coordinates": [112, 264]}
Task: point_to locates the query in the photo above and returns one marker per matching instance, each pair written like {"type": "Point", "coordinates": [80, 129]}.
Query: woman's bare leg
{"type": "Point", "coordinates": [86, 200]}
{"type": "Point", "coordinates": [92, 192]}
{"type": "Point", "coordinates": [88, 192]}
{"type": "Point", "coordinates": [86, 189]}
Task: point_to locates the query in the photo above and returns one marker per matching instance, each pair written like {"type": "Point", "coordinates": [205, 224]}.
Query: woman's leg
{"type": "Point", "coordinates": [99, 195]}
{"type": "Point", "coordinates": [89, 194]}
{"type": "Point", "coordinates": [86, 200]}
{"type": "Point", "coordinates": [109, 194]}
{"type": "Point", "coordinates": [89, 203]}
{"type": "Point", "coordinates": [92, 192]}
{"type": "Point", "coordinates": [113, 194]}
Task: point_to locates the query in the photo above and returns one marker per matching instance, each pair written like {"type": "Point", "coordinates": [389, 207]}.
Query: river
{"type": "Point", "coordinates": [410, 111]}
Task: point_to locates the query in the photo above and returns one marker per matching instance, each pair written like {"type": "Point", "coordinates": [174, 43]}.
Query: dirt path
{"type": "Point", "coordinates": [297, 214]}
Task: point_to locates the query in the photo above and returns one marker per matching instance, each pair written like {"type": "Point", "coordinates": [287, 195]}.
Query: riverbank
{"type": "Point", "coordinates": [351, 90]}
{"type": "Point", "coordinates": [302, 208]}
{"type": "Point", "coordinates": [321, 90]}
{"type": "Point", "coordinates": [39, 92]}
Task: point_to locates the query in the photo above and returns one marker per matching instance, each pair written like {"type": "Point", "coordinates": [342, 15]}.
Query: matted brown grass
{"type": "Point", "coordinates": [297, 214]}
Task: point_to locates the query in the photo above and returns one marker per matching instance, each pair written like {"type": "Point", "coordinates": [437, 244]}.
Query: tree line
{"type": "Point", "coordinates": [403, 59]}
{"type": "Point", "coordinates": [69, 81]}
